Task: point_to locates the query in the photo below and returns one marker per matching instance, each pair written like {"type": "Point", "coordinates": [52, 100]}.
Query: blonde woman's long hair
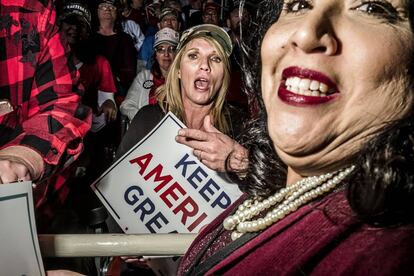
{"type": "Point", "coordinates": [169, 94]}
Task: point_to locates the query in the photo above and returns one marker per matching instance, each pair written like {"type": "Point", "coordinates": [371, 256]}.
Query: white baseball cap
{"type": "Point", "coordinates": [166, 35]}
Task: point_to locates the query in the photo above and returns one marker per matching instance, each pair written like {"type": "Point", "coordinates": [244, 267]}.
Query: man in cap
{"type": "Point", "coordinates": [211, 13]}
{"type": "Point", "coordinates": [176, 5]}
{"type": "Point", "coordinates": [79, 17]}
{"type": "Point", "coordinates": [168, 18]}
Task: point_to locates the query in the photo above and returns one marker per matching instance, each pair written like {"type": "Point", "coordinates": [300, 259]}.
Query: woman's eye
{"type": "Point", "coordinates": [216, 59]}
{"type": "Point", "coordinates": [296, 6]}
{"type": "Point", "coordinates": [192, 56]}
{"type": "Point", "coordinates": [379, 8]}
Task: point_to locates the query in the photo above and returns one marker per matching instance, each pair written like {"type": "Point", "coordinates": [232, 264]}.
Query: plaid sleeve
{"type": "Point", "coordinates": [50, 118]}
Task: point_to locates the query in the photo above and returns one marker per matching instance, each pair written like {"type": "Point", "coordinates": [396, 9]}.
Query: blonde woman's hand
{"type": "Point", "coordinates": [210, 146]}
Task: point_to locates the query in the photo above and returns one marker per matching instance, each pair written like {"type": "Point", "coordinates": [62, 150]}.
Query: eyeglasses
{"type": "Point", "coordinates": [106, 7]}
{"type": "Point", "coordinates": [163, 50]}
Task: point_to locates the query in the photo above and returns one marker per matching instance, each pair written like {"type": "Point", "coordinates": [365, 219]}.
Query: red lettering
{"type": "Point", "coordinates": [197, 222]}
{"type": "Point", "coordinates": [187, 212]}
{"type": "Point", "coordinates": [157, 171]}
{"type": "Point", "coordinates": [171, 191]}
{"type": "Point", "coordinates": [142, 161]}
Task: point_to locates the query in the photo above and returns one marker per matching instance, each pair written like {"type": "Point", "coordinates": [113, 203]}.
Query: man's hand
{"type": "Point", "coordinates": [109, 109]}
{"type": "Point", "coordinates": [12, 171]}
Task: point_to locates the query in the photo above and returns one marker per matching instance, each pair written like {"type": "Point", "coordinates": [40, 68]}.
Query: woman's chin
{"type": "Point", "coordinates": [298, 144]}
{"type": "Point", "coordinates": [301, 155]}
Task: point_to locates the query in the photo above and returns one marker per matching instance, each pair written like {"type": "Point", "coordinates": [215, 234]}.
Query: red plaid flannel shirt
{"type": "Point", "coordinates": [41, 83]}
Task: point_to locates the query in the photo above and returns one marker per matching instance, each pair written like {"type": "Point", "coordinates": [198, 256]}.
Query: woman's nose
{"type": "Point", "coordinates": [315, 34]}
{"type": "Point", "coordinates": [205, 64]}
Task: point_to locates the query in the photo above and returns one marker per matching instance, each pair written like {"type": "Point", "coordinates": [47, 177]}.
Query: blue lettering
{"type": "Point", "coordinates": [183, 162]}
{"type": "Point", "coordinates": [155, 220]}
{"type": "Point", "coordinates": [196, 174]}
{"type": "Point", "coordinates": [132, 199]}
{"type": "Point", "coordinates": [146, 207]}
{"type": "Point", "coordinates": [206, 188]}
{"type": "Point", "coordinates": [219, 202]}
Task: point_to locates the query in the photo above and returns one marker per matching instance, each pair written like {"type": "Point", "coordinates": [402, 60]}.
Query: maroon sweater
{"type": "Point", "coordinates": [323, 238]}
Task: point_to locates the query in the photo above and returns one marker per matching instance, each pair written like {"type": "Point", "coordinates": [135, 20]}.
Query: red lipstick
{"type": "Point", "coordinates": [292, 98]}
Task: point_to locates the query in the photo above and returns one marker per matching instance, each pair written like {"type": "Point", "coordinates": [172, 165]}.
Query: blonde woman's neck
{"type": "Point", "coordinates": [194, 116]}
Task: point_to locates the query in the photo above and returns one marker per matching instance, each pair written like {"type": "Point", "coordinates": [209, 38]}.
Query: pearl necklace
{"type": "Point", "coordinates": [285, 201]}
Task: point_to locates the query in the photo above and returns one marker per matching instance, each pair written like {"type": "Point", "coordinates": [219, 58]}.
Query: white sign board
{"type": "Point", "coordinates": [19, 247]}
{"type": "Point", "coordinates": [159, 186]}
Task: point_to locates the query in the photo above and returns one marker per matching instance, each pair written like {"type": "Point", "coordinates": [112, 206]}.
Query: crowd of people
{"type": "Point", "coordinates": [135, 43]}
{"type": "Point", "coordinates": [325, 161]}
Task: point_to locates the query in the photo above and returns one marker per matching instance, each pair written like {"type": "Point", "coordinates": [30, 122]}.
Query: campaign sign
{"type": "Point", "coordinates": [19, 246]}
{"type": "Point", "coordinates": [159, 186]}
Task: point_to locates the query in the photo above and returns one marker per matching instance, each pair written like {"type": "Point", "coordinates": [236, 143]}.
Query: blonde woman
{"type": "Point", "coordinates": [195, 91]}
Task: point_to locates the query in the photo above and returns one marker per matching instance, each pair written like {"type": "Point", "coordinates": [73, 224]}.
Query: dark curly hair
{"type": "Point", "coordinates": [380, 191]}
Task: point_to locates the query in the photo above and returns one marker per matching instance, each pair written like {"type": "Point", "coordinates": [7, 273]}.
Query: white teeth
{"type": "Point", "coordinates": [306, 87]}
{"type": "Point", "coordinates": [314, 85]}
{"type": "Point", "coordinates": [295, 81]}
{"type": "Point", "coordinates": [315, 93]}
{"type": "Point", "coordinates": [323, 87]}
{"type": "Point", "coordinates": [304, 84]}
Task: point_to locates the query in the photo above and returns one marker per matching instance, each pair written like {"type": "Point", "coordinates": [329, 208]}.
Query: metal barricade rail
{"type": "Point", "coordinates": [100, 245]}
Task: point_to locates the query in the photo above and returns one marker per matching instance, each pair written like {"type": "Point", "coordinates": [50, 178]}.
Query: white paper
{"type": "Point", "coordinates": [192, 198]}
{"type": "Point", "coordinates": [19, 247]}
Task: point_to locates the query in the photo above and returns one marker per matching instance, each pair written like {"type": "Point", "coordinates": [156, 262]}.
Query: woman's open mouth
{"type": "Point", "coordinates": [306, 87]}
{"type": "Point", "coordinates": [202, 84]}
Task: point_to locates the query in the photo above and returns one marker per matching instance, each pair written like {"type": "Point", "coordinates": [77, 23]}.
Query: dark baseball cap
{"type": "Point", "coordinates": [214, 31]}
{"type": "Point", "coordinates": [111, 2]}
{"type": "Point", "coordinates": [212, 6]}
{"type": "Point", "coordinates": [76, 9]}
{"type": "Point", "coordinates": [167, 11]}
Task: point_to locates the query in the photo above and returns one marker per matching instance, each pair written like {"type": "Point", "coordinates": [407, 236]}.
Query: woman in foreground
{"type": "Point", "coordinates": [330, 179]}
